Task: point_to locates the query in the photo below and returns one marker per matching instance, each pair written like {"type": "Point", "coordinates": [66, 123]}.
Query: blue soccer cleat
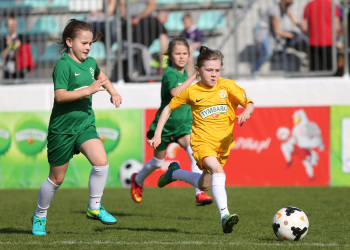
{"type": "Point", "coordinates": [167, 177]}
{"type": "Point", "coordinates": [228, 221]}
{"type": "Point", "coordinates": [100, 214]}
{"type": "Point", "coordinates": [38, 225]}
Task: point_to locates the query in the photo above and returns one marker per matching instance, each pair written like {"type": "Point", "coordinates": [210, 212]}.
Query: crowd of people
{"type": "Point", "coordinates": [314, 37]}
{"type": "Point", "coordinates": [312, 43]}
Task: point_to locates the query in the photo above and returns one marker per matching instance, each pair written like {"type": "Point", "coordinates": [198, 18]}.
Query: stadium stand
{"type": "Point", "coordinates": [227, 25]}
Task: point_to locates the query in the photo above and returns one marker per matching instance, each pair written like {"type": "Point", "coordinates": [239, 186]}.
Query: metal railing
{"type": "Point", "coordinates": [126, 59]}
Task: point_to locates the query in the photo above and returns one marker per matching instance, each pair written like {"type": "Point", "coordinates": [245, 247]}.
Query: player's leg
{"type": "Point", "coordinates": [137, 179]}
{"type": "Point", "coordinates": [219, 193]}
{"type": "Point", "coordinates": [175, 173]}
{"type": "Point", "coordinates": [94, 151]}
{"type": "Point", "coordinates": [58, 158]}
{"type": "Point", "coordinates": [202, 198]}
{"type": "Point", "coordinates": [46, 193]}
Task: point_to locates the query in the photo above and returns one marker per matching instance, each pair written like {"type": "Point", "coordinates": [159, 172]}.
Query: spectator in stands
{"type": "Point", "coordinates": [194, 38]}
{"type": "Point", "coordinates": [16, 53]}
{"type": "Point", "coordinates": [98, 20]}
{"type": "Point", "coordinates": [317, 23]}
{"type": "Point", "coordinates": [268, 32]}
{"type": "Point", "coordinates": [146, 27]}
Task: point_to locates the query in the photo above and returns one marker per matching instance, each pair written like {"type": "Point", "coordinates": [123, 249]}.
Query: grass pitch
{"type": "Point", "coordinates": [168, 219]}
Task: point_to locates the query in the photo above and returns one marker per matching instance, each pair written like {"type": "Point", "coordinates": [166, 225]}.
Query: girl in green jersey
{"type": "Point", "coordinates": [178, 127]}
{"type": "Point", "coordinates": [72, 128]}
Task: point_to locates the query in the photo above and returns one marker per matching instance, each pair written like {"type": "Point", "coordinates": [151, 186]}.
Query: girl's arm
{"type": "Point", "coordinates": [116, 99]}
{"type": "Point", "coordinates": [245, 115]}
{"type": "Point", "coordinates": [63, 95]}
{"type": "Point", "coordinates": [175, 91]}
{"type": "Point", "coordinates": [164, 116]}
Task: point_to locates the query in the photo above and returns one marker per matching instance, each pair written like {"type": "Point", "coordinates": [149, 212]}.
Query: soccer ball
{"type": "Point", "coordinates": [290, 224]}
{"type": "Point", "coordinates": [127, 168]}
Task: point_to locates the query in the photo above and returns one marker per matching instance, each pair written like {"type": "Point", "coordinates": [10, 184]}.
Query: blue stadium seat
{"type": "Point", "coordinates": [35, 4]}
{"type": "Point", "coordinates": [79, 17]}
{"type": "Point", "coordinates": [194, 1]}
{"type": "Point", "coordinates": [21, 26]}
{"type": "Point", "coordinates": [58, 4]}
{"type": "Point", "coordinates": [217, 21]}
{"type": "Point", "coordinates": [12, 4]}
{"type": "Point", "coordinates": [174, 22]}
{"type": "Point", "coordinates": [154, 48]}
{"type": "Point", "coordinates": [167, 2]}
{"type": "Point", "coordinates": [46, 25]}
{"type": "Point", "coordinates": [98, 51]}
{"type": "Point", "coordinates": [223, 1]}
{"type": "Point", "coordinates": [50, 55]}
{"type": "Point", "coordinates": [4, 4]}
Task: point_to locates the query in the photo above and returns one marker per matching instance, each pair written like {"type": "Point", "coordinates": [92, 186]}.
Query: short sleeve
{"type": "Point", "coordinates": [179, 100]}
{"type": "Point", "coordinates": [170, 81]}
{"type": "Point", "coordinates": [60, 75]}
{"type": "Point", "coordinates": [239, 95]}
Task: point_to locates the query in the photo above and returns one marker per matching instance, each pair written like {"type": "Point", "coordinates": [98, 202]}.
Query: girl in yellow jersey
{"type": "Point", "coordinates": [213, 101]}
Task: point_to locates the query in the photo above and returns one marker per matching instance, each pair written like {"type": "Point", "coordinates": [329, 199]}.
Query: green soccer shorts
{"type": "Point", "coordinates": [62, 147]}
{"type": "Point", "coordinates": [170, 136]}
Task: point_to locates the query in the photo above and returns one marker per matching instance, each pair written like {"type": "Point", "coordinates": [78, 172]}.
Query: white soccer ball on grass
{"type": "Point", "coordinates": [290, 224]}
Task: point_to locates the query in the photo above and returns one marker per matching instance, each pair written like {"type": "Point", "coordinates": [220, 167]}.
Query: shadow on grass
{"type": "Point", "coordinates": [10, 230]}
{"type": "Point", "coordinates": [114, 214]}
{"type": "Point", "coordinates": [138, 229]}
{"type": "Point", "coordinates": [138, 214]}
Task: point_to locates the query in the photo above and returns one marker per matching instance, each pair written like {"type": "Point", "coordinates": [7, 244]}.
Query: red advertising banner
{"type": "Point", "coordinates": [276, 147]}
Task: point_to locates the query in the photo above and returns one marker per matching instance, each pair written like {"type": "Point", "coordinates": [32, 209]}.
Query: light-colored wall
{"type": "Point", "coordinates": [264, 93]}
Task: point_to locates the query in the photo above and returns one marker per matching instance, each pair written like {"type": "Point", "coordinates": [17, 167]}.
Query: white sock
{"type": "Point", "coordinates": [46, 193]}
{"type": "Point", "coordinates": [97, 182]}
{"type": "Point", "coordinates": [148, 169]}
{"type": "Point", "coordinates": [186, 176]}
{"type": "Point", "coordinates": [194, 167]}
{"type": "Point", "coordinates": [219, 192]}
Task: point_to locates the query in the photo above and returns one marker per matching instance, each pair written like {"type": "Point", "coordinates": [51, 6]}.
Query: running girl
{"type": "Point", "coordinates": [178, 127]}
{"type": "Point", "coordinates": [213, 102]}
{"type": "Point", "coordinates": [72, 128]}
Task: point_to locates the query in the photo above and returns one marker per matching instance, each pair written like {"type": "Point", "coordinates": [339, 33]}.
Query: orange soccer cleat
{"type": "Point", "coordinates": [136, 190]}
{"type": "Point", "coordinates": [203, 199]}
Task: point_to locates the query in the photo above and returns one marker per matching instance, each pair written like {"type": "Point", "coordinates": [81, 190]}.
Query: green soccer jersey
{"type": "Point", "coordinates": [171, 79]}
{"type": "Point", "coordinates": [73, 117]}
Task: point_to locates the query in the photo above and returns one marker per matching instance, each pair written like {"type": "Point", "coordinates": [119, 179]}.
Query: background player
{"type": "Point", "coordinates": [72, 128]}
{"type": "Point", "coordinates": [178, 127]}
{"type": "Point", "coordinates": [213, 102]}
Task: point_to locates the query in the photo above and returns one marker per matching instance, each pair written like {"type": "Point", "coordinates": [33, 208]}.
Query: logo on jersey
{"type": "Point", "coordinates": [214, 111]}
{"type": "Point", "coordinates": [245, 95]}
{"type": "Point", "coordinates": [76, 74]}
{"type": "Point", "coordinates": [92, 71]}
{"type": "Point", "coordinates": [223, 94]}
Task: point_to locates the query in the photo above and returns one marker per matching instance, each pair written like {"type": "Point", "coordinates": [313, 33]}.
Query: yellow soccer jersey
{"type": "Point", "coordinates": [213, 111]}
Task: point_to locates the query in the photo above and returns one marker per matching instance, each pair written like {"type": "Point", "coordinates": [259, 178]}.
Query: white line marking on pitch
{"type": "Point", "coordinates": [168, 243]}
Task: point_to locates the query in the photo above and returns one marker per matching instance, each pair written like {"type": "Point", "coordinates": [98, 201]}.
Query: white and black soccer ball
{"type": "Point", "coordinates": [290, 224]}
{"type": "Point", "coordinates": [126, 170]}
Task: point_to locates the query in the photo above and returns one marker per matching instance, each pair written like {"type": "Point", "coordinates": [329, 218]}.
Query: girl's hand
{"type": "Point", "coordinates": [154, 142]}
{"type": "Point", "coordinates": [116, 99]}
{"type": "Point", "coordinates": [243, 117]}
{"type": "Point", "coordinates": [96, 86]}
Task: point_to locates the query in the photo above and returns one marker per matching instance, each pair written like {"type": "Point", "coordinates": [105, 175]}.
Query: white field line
{"type": "Point", "coordinates": [170, 243]}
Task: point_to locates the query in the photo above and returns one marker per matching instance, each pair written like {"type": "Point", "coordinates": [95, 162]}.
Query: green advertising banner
{"type": "Point", "coordinates": [340, 145]}
{"type": "Point", "coordinates": [23, 159]}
